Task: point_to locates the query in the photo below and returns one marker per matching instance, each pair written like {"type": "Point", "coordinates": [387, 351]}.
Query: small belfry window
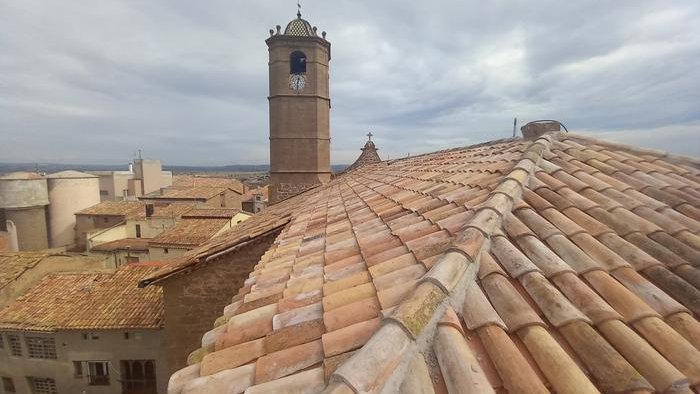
{"type": "Point", "coordinates": [297, 63]}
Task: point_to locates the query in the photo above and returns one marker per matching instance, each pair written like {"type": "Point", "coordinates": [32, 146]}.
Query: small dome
{"type": "Point", "coordinates": [299, 27]}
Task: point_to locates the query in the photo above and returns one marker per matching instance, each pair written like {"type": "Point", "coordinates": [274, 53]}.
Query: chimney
{"type": "Point", "coordinates": [537, 128]}
{"type": "Point", "coordinates": [149, 210]}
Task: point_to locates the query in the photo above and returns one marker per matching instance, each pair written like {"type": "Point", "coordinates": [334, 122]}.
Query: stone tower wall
{"type": "Point", "coordinates": [299, 121]}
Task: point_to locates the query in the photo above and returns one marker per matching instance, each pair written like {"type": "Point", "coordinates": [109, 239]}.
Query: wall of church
{"type": "Point", "coordinates": [194, 300]}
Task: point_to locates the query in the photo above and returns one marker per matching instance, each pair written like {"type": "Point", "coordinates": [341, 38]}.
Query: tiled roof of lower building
{"type": "Point", "coordinates": [132, 244]}
{"type": "Point", "coordinates": [562, 264]}
{"type": "Point", "coordinates": [191, 181]}
{"type": "Point", "coordinates": [187, 193]}
{"type": "Point", "coordinates": [212, 213]}
{"type": "Point", "coordinates": [189, 232]}
{"type": "Point", "coordinates": [114, 208]}
{"type": "Point", "coordinates": [83, 301]}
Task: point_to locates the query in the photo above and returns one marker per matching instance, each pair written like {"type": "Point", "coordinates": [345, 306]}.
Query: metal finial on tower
{"type": "Point", "coordinates": [299, 9]}
{"type": "Point", "coordinates": [369, 135]}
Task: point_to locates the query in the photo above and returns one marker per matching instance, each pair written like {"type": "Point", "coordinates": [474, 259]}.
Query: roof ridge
{"type": "Point", "coordinates": [673, 157]}
{"type": "Point", "coordinates": [409, 329]}
{"type": "Point", "coordinates": [472, 146]}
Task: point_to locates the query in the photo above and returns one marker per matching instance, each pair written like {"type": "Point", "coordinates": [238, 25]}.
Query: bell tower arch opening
{"type": "Point", "coordinates": [297, 63]}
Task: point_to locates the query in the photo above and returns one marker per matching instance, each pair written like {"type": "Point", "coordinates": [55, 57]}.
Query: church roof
{"type": "Point", "coordinates": [299, 27]}
{"type": "Point", "coordinates": [556, 264]}
{"type": "Point", "coordinates": [369, 155]}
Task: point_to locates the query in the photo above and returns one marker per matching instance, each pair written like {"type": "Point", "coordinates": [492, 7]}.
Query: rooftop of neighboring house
{"type": "Point", "coordinates": [202, 181]}
{"type": "Point", "coordinates": [548, 264]}
{"type": "Point", "coordinates": [212, 213]}
{"type": "Point", "coordinates": [190, 232]}
{"type": "Point", "coordinates": [14, 264]}
{"type": "Point", "coordinates": [130, 244]}
{"type": "Point", "coordinates": [202, 193]}
{"type": "Point", "coordinates": [137, 209]}
{"type": "Point", "coordinates": [87, 301]}
{"type": "Point", "coordinates": [258, 191]}
{"type": "Point", "coordinates": [114, 208]}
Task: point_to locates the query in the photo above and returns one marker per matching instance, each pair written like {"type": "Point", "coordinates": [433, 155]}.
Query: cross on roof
{"type": "Point", "coordinates": [369, 135]}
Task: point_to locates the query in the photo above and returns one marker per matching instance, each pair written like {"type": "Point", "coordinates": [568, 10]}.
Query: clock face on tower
{"type": "Point", "coordinates": [297, 82]}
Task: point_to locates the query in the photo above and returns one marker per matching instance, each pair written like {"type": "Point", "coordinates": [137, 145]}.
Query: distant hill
{"type": "Point", "coordinates": [51, 168]}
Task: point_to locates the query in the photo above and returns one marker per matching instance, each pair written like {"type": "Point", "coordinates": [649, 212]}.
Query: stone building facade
{"type": "Point", "coordinates": [299, 109]}
{"type": "Point", "coordinates": [191, 306]}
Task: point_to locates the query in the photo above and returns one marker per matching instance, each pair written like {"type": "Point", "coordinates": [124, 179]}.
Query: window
{"type": "Point", "coordinates": [2, 342]}
{"type": "Point", "coordinates": [126, 335]}
{"type": "Point", "coordinates": [89, 335]}
{"type": "Point", "coordinates": [8, 384]}
{"type": "Point", "coordinates": [165, 250]}
{"type": "Point", "coordinates": [105, 220]}
{"type": "Point", "coordinates": [41, 347]}
{"type": "Point", "coordinates": [104, 193]}
{"type": "Point", "coordinates": [77, 369]}
{"type": "Point", "coordinates": [132, 259]}
{"type": "Point", "coordinates": [297, 63]}
{"type": "Point", "coordinates": [138, 231]}
{"type": "Point", "coordinates": [15, 345]}
{"type": "Point", "coordinates": [98, 373]}
{"type": "Point", "coordinates": [138, 376]}
{"type": "Point", "coordinates": [42, 385]}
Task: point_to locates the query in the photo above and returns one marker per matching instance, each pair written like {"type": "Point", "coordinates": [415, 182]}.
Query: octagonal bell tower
{"type": "Point", "coordinates": [299, 109]}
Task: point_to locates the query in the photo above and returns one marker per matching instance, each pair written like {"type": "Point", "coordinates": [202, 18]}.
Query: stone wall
{"type": "Point", "coordinates": [284, 191]}
{"type": "Point", "coordinates": [193, 300]}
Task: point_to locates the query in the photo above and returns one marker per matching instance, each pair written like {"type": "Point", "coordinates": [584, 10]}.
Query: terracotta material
{"type": "Point", "coordinates": [288, 361]}
{"type": "Point", "coordinates": [294, 335]}
{"type": "Point", "coordinates": [232, 357]}
{"type": "Point", "coordinates": [349, 338]}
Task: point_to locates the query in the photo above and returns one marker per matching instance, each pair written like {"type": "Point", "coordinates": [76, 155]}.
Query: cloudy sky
{"type": "Point", "coordinates": [88, 82]}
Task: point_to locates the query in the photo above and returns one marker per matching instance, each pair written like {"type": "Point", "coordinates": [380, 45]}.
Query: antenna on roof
{"type": "Point", "coordinates": [140, 154]}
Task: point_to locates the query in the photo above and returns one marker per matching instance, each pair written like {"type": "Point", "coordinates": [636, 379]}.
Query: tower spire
{"type": "Point", "coordinates": [299, 9]}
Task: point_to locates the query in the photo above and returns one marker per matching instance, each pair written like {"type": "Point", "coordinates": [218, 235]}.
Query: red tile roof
{"type": "Point", "coordinates": [114, 208]}
{"type": "Point", "coordinates": [133, 244]}
{"type": "Point", "coordinates": [137, 209]}
{"type": "Point", "coordinates": [200, 181]}
{"type": "Point", "coordinates": [212, 213]}
{"type": "Point", "coordinates": [187, 193]}
{"type": "Point", "coordinates": [189, 232]}
{"type": "Point", "coordinates": [559, 264]}
{"type": "Point", "coordinates": [87, 301]}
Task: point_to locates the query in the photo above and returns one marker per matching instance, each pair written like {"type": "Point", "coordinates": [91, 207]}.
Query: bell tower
{"type": "Point", "coordinates": [299, 109]}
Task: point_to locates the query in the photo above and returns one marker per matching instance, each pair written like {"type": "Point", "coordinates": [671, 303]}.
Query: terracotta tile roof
{"type": "Point", "coordinates": [189, 232]}
{"type": "Point", "coordinates": [133, 244]}
{"type": "Point", "coordinates": [137, 209]}
{"type": "Point", "coordinates": [114, 208]}
{"type": "Point", "coordinates": [187, 193]}
{"type": "Point", "coordinates": [165, 210]}
{"type": "Point", "coordinates": [212, 213]}
{"type": "Point", "coordinates": [14, 264]}
{"type": "Point", "coordinates": [262, 190]}
{"type": "Point", "coordinates": [563, 264]}
{"type": "Point", "coordinates": [192, 181]}
{"type": "Point", "coordinates": [87, 301]}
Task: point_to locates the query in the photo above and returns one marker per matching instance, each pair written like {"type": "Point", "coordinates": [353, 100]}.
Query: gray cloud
{"type": "Point", "coordinates": [91, 82]}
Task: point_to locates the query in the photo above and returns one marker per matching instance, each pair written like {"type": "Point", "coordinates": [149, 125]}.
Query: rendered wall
{"type": "Point", "coordinates": [110, 346]}
{"type": "Point", "coordinates": [66, 197]}
{"type": "Point", "coordinates": [30, 223]}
